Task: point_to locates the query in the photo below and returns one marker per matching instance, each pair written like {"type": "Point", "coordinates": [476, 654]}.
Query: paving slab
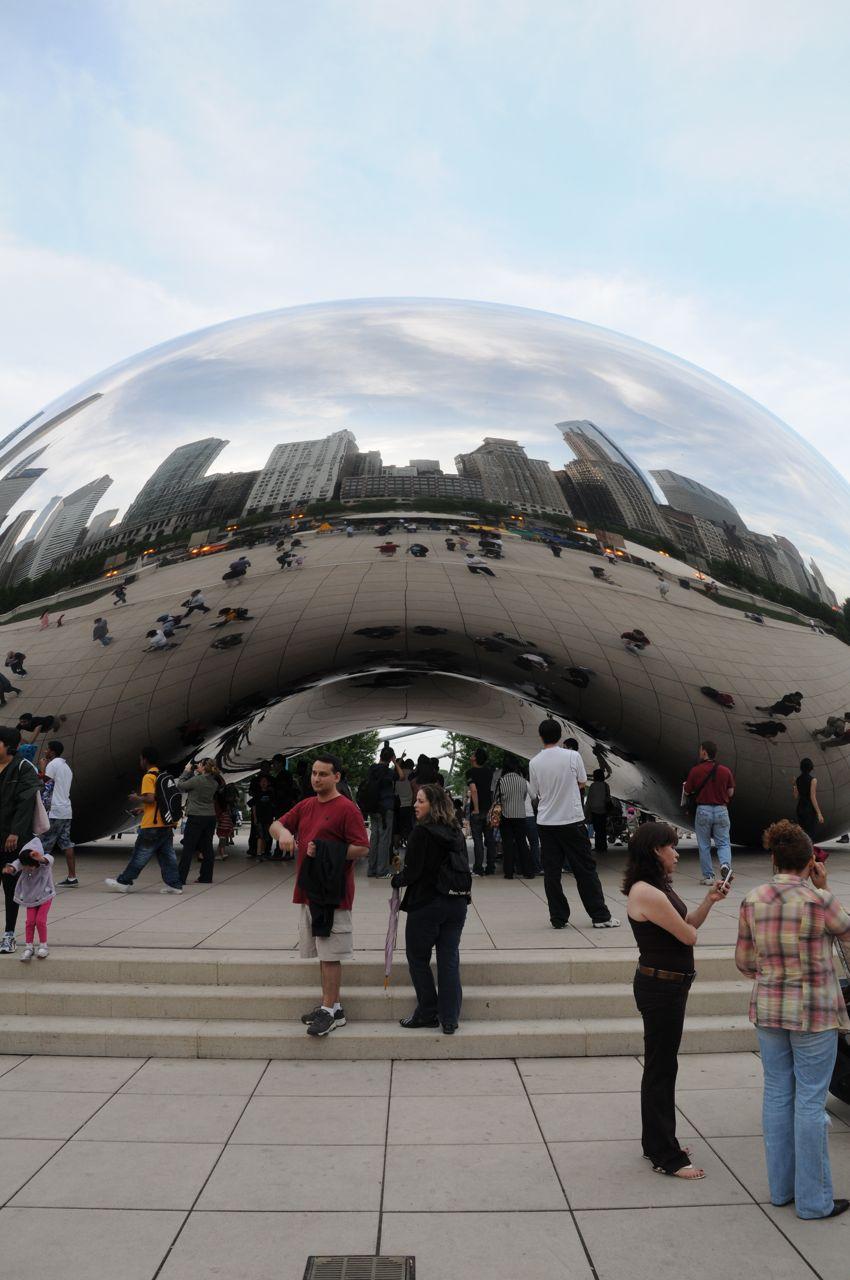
{"type": "Point", "coordinates": [614, 1175]}
{"type": "Point", "coordinates": [162, 1118]}
{"type": "Point", "coordinates": [122, 1175]}
{"type": "Point", "coordinates": [295, 1178]}
{"type": "Point", "coordinates": [475, 1077]}
{"type": "Point", "coordinates": [86, 1244]}
{"type": "Point", "coordinates": [70, 1074]}
{"type": "Point", "coordinates": [446, 1119]}
{"type": "Point", "coordinates": [487, 1246]}
{"type": "Point", "coordinates": [57, 1115]}
{"type": "Point", "coordinates": [494, 1177]}
{"type": "Point", "coordinates": [197, 1076]}
{"type": "Point", "coordinates": [581, 1075]}
{"type": "Point", "coordinates": [327, 1079]}
{"type": "Point", "coordinates": [586, 1117]}
{"type": "Point", "coordinates": [20, 1158]}
{"type": "Point", "coordinates": [334, 1122]}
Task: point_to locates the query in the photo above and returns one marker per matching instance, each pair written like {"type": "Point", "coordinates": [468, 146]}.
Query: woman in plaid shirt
{"type": "Point", "coordinates": [785, 934]}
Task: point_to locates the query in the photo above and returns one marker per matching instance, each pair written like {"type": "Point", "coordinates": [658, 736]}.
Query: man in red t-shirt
{"type": "Point", "coordinates": [713, 786]}
{"type": "Point", "coordinates": [325, 816]}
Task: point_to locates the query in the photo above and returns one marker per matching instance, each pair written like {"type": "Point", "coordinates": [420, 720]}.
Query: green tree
{"type": "Point", "coordinates": [459, 748]}
{"type": "Point", "coordinates": [356, 752]}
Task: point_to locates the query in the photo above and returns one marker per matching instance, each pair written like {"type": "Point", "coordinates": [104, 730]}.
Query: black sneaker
{"type": "Point", "coordinates": [307, 1018]}
{"type": "Point", "coordinates": [70, 882]}
{"type": "Point", "coordinates": [325, 1022]}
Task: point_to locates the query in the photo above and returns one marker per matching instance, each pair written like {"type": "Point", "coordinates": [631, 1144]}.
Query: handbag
{"type": "Point", "coordinates": [40, 820]}
{"type": "Point", "coordinates": [494, 814]}
{"type": "Point", "coordinates": [692, 798]}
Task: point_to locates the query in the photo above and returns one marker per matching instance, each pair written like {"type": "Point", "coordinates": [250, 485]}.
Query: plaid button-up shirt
{"type": "Point", "coordinates": [785, 933]}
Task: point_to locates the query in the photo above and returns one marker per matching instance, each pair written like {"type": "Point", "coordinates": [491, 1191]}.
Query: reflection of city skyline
{"type": "Point", "coordinates": [601, 486]}
{"type": "Point", "coordinates": [408, 377]}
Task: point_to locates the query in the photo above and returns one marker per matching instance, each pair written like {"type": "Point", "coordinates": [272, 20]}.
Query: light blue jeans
{"type": "Point", "coordinates": [797, 1069]}
{"type": "Point", "coordinates": [712, 820]}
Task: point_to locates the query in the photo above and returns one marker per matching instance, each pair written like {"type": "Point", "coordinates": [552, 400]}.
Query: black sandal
{"type": "Point", "coordinates": [412, 1021]}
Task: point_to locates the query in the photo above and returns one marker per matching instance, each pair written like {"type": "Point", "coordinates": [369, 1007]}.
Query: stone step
{"type": "Point", "coordinates": [163, 1037]}
{"type": "Point", "coordinates": [257, 1003]}
{"type": "Point", "coordinates": [258, 968]}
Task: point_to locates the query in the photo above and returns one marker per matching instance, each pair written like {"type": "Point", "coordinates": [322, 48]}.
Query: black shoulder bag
{"type": "Point", "coordinates": [693, 799]}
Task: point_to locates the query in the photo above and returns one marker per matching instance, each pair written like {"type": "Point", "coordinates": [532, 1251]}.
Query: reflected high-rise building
{"type": "Point", "coordinates": [98, 526]}
{"type": "Point", "coordinates": [62, 529]}
{"type": "Point", "coordinates": [302, 472]}
{"type": "Point", "coordinates": [507, 475]}
{"type": "Point", "coordinates": [421, 478]}
{"type": "Point", "coordinates": [604, 486]}
{"type": "Point", "coordinates": [15, 483]}
{"type": "Point", "coordinates": [589, 443]}
{"type": "Point", "coordinates": [165, 492]}
{"type": "Point", "coordinates": [697, 499]}
{"type": "Point", "coordinates": [8, 539]}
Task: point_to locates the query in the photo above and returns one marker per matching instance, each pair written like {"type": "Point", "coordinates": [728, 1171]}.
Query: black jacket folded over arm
{"type": "Point", "coordinates": [322, 879]}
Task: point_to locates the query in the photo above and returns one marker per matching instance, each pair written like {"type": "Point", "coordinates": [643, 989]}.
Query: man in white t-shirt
{"type": "Point", "coordinates": [57, 801]}
{"type": "Point", "coordinates": [555, 779]}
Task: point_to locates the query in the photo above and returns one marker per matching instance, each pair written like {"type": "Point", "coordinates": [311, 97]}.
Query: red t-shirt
{"type": "Point", "coordinates": [337, 819]}
{"type": "Point", "coordinates": [714, 792]}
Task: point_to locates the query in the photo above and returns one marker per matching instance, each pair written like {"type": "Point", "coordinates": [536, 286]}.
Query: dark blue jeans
{"type": "Point", "coordinates": [483, 837]}
{"type": "Point", "coordinates": [158, 841]}
{"type": "Point", "coordinates": [438, 924]}
{"type": "Point", "coordinates": [198, 838]}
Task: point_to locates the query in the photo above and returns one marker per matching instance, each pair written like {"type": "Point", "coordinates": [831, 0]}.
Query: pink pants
{"type": "Point", "coordinates": [37, 919]}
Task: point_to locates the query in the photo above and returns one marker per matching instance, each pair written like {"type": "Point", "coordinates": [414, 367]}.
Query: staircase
{"type": "Point", "coordinates": [124, 1002]}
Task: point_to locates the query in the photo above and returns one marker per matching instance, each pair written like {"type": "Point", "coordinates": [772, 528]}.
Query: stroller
{"type": "Point", "coordinates": [839, 1085]}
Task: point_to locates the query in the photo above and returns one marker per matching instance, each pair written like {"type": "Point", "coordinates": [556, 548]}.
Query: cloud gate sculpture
{"type": "Point", "coordinates": [573, 439]}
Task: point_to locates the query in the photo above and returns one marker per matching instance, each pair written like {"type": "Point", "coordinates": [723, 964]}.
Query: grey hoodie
{"type": "Point", "coordinates": [35, 884]}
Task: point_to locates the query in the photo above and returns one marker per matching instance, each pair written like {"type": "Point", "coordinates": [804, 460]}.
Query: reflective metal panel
{"type": "Point", "coordinates": [573, 438]}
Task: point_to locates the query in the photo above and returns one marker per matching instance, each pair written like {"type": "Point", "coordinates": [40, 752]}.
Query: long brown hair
{"type": "Point", "coordinates": [442, 808]}
{"type": "Point", "coordinates": [643, 863]}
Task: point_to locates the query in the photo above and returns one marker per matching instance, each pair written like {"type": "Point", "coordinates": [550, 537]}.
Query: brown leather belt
{"type": "Point", "coordinates": [666, 975]}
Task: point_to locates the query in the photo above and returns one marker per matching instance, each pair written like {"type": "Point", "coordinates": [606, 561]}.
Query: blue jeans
{"type": "Point", "coordinates": [483, 838]}
{"type": "Point", "coordinates": [797, 1069]}
{"type": "Point", "coordinates": [150, 841]}
{"type": "Point", "coordinates": [712, 820]}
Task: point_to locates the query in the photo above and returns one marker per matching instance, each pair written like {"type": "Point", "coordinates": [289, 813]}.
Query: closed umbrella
{"type": "Point", "coordinates": [392, 934]}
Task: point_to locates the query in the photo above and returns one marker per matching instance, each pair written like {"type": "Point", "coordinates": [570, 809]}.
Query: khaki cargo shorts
{"type": "Point", "coordinates": [339, 946]}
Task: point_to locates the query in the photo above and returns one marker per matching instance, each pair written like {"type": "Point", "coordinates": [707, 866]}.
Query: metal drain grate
{"type": "Point", "coordinates": [361, 1267]}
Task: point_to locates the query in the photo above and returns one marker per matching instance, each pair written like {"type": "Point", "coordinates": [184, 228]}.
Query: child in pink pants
{"type": "Point", "coordinates": [34, 890]}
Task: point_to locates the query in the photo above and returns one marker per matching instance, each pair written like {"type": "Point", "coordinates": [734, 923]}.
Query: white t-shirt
{"type": "Point", "coordinates": [59, 771]}
{"type": "Point", "coordinates": [554, 775]}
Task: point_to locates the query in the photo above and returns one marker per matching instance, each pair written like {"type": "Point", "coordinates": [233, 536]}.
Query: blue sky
{"type": "Point", "coordinates": [674, 171]}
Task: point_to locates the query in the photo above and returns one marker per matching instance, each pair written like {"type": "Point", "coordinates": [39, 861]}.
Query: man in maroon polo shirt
{"type": "Point", "coordinates": [712, 786]}
{"type": "Point", "coordinates": [327, 815]}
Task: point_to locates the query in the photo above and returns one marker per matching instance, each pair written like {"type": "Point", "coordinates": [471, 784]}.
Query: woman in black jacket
{"type": "Point", "coordinates": [433, 919]}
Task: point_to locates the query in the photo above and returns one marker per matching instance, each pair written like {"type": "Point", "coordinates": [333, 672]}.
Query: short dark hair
{"type": "Point", "coordinates": [571, 744]}
{"type": "Point", "coordinates": [333, 761]}
{"type": "Point", "coordinates": [278, 755]}
{"type": "Point", "coordinates": [151, 754]}
{"type": "Point", "coordinates": [790, 846]}
{"type": "Point", "coordinates": [479, 754]}
{"type": "Point", "coordinates": [710, 748]}
{"type": "Point", "coordinates": [550, 731]}
{"type": "Point", "coordinates": [806, 765]}
{"type": "Point", "coordinates": [387, 754]}
{"type": "Point", "coordinates": [56, 746]}
{"type": "Point", "coordinates": [643, 863]}
{"type": "Point", "coordinates": [598, 775]}
{"type": "Point", "coordinates": [10, 737]}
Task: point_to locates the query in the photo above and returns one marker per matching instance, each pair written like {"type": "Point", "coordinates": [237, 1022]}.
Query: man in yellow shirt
{"type": "Point", "coordinates": [156, 836]}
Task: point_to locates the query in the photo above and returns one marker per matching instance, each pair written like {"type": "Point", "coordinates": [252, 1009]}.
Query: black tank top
{"type": "Point", "coordinates": [658, 948]}
{"type": "Point", "coordinates": [804, 791]}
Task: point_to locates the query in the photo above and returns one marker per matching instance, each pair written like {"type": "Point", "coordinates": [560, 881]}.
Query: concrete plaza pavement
{"type": "Point", "coordinates": [187, 1170]}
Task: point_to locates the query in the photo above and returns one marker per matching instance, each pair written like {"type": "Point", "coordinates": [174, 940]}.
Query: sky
{"type": "Point", "coordinates": [676, 172]}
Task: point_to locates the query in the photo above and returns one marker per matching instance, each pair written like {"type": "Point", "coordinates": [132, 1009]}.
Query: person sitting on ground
{"type": "Point", "coordinates": [195, 601]}
{"type": "Point", "coordinates": [100, 631]}
{"type": "Point", "coordinates": [157, 639]}
{"type": "Point", "coordinates": [6, 686]}
{"type": "Point", "coordinates": [388, 548]}
{"type": "Point", "coordinates": [435, 917]}
{"type": "Point", "coordinates": [755, 617]}
{"type": "Point", "coordinates": [475, 564]}
{"type": "Point", "coordinates": [635, 640]}
{"type": "Point", "coordinates": [418, 550]}
{"type": "Point", "coordinates": [835, 727]}
{"type": "Point", "coordinates": [450, 544]}
{"type": "Point", "coordinates": [785, 935]}
{"type": "Point", "coordinates": [170, 622]}
{"type": "Point", "coordinates": [15, 662]}
{"type": "Point", "coordinates": [786, 706]}
{"type": "Point", "coordinates": [722, 699]}
{"type": "Point", "coordinates": [769, 729]}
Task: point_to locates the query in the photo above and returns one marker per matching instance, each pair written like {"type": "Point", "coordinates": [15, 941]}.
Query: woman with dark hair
{"type": "Point", "coordinates": [425, 773]}
{"type": "Point", "coordinates": [785, 934]}
{"type": "Point", "coordinates": [434, 919]}
{"type": "Point", "coordinates": [806, 794]}
{"type": "Point", "coordinates": [665, 932]}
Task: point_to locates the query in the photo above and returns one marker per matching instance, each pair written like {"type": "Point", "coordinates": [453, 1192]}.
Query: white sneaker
{"type": "Point", "coordinates": [708, 880]}
{"type": "Point", "coordinates": [27, 953]}
{"type": "Point", "coordinates": [610, 923]}
{"type": "Point", "coordinates": [116, 884]}
{"type": "Point", "coordinates": [42, 953]}
{"type": "Point", "coordinates": [167, 888]}
{"type": "Point", "coordinates": [8, 945]}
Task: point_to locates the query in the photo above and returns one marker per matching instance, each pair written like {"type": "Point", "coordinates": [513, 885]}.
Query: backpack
{"type": "Point", "coordinates": [454, 877]}
{"type": "Point", "coordinates": [169, 801]}
{"type": "Point", "coordinates": [369, 793]}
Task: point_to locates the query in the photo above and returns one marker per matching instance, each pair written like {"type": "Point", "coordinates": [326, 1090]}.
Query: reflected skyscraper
{"type": "Point", "coordinates": [62, 528]}
{"type": "Point", "coordinates": [697, 499]}
{"type": "Point", "coordinates": [507, 475]}
{"type": "Point", "coordinates": [164, 493]}
{"type": "Point", "coordinates": [303, 471]}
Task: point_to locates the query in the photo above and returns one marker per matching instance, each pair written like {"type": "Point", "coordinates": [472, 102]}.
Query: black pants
{"type": "Point", "coordinates": [600, 832]}
{"type": "Point", "coordinates": [571, 843]}
{"type": "Point", "coordinates": [438, 924]}
{"type": "Point", "coordinates": [483, 837]}
{"type": "Point", "coordinates": [198, 838]}
{"type": "Point", "coordinates": [9, 883]}
{"type": "Point", "coordinates": [515, 850]}
{"type": "Point", "coordinates": [662, 1006]}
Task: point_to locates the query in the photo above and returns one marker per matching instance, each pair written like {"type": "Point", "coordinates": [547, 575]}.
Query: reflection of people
{"type": "Point", "coordinates": [475, 564]}
{"type": "Point", "coordinates": [100, 631]}
{"type": "Point", "coordinates": [388, 548]}
{"type": "Point", "coordinates": [769, 729]}
{"type": "Point", "coordinates": [722, 699]}
{"type": "Point", "coordinates": [835, 727]}
{"type": "Point", "coordinates": [786, 705]}
{"type": "Point", "coordinates": [665, 932]}
{"type": "Point", "coordinates": [785, 934]}
{"type": "Point", "coordinates": [636, 640]}
{"type": "Point", "coordinates": [806, 794]}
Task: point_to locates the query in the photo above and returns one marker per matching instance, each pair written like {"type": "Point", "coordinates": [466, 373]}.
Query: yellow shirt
{"type": "Point", "coordinates": [151, 816]}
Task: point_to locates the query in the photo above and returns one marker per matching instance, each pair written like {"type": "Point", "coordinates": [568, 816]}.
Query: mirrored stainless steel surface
{"type": "Point", "coordinates": [583, 438]}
